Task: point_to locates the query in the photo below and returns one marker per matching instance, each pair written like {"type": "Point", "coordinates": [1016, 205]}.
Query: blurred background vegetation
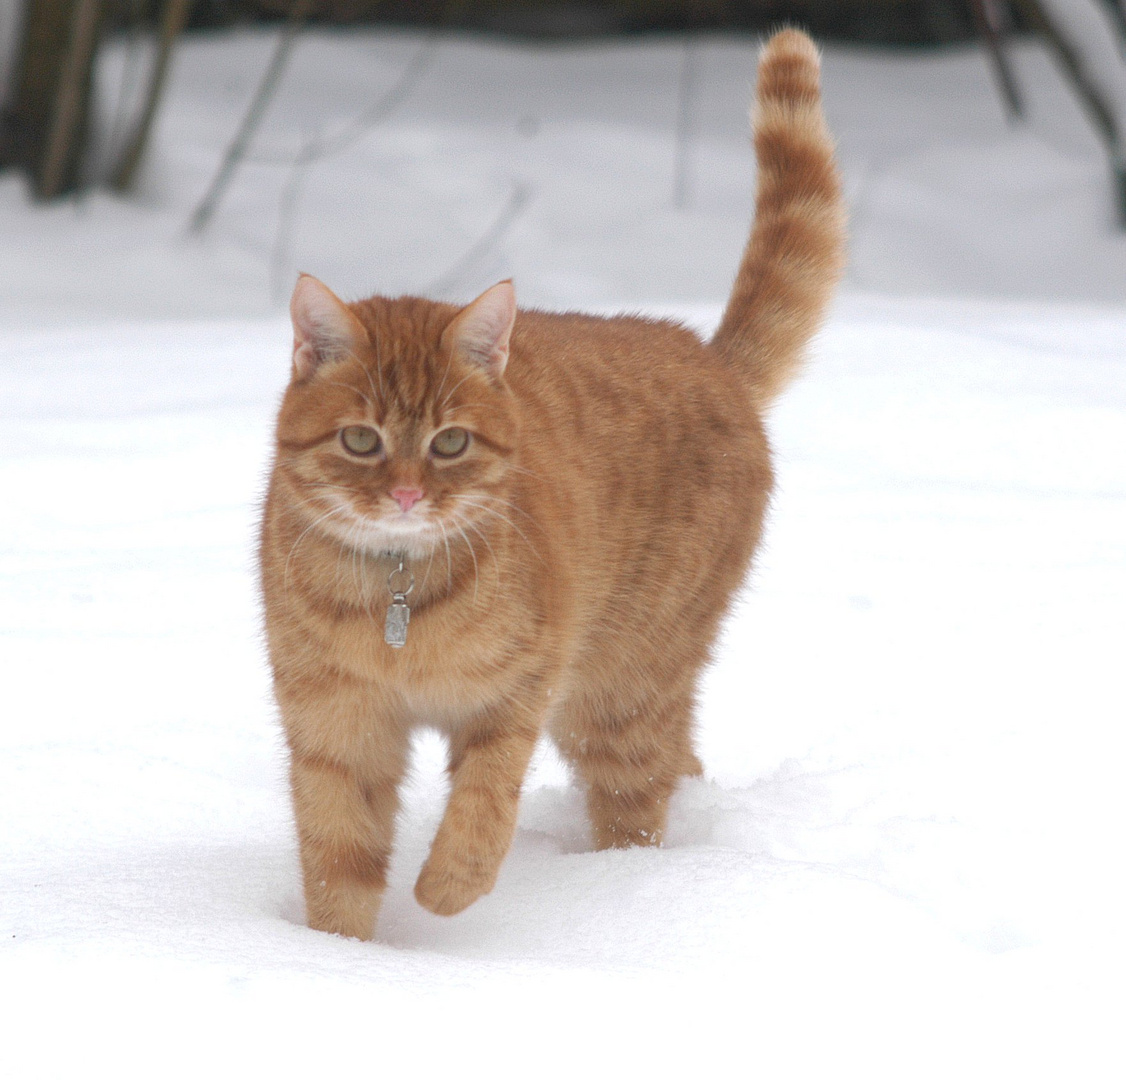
{"type": "Point", "coordinates": [48, 49]}
{"type": "Point", "coordinates": [899, 22]}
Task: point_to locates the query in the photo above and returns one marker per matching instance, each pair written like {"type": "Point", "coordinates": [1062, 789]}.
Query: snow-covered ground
{"type": "Point", "coordinates": [906, 857]}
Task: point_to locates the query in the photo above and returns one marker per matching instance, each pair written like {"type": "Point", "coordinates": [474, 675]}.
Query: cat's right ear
{"type": "Point", "coordinates": [481, 331]}
{"type": "Point", "coordinates": [323, 328]}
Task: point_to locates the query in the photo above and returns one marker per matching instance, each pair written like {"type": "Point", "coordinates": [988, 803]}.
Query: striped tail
{"type": "Point", "coordinates": [796, 250]}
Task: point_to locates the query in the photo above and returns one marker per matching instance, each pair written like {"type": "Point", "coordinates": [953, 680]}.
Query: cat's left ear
{"type": "Point", "coordinates": [323, 328]}
{"type": "Point", "coordinates": [481, 332]}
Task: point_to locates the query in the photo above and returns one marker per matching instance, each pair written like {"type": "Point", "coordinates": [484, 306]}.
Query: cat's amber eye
{"type": "Point", "coordinates": [358, 439]}
{"type": "Point", "coordinates": [451, 442]}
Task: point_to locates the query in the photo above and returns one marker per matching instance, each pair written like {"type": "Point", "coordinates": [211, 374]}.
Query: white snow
{"type": "Point", "coordinates": [906, 858]}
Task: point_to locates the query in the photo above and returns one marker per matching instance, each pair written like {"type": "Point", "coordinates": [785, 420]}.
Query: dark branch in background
{"type": "Point", "coordinates": [1098, 111]}
{"type": "Point", "coordinates": [133, 34]}
{"type": "Point", "coordinates": [65, 133]}
{"type": "Point", "coordinates": [175, 17]}
{"type": "Point", "coordinates": [322, 146]}
{"type": "Point", "coordinates": [987, 15]}
{"type": "Point", "coordinates": [521, 196]}
{"type": "Point", "coordinates": [989, 18]}
{"type": "Point", "coordinates": [1116, 9]}
{"type": "Point", "coordinates": [287, 222]}
{"type": "Point", "coordinates": [298, 13]}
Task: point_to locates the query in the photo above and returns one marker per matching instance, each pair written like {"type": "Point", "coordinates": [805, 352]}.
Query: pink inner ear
{"type": "Point", "coordinates": [483, 329]}
{"type": "Point", "coordinates": [323, 327]}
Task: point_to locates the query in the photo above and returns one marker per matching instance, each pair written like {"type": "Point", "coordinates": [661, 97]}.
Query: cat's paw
{"type": "Point", "coordinates": [446, 890]}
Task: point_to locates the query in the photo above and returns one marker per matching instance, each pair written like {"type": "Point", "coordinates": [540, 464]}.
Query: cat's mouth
{"type": "Point", "coordinates": [415, 532]}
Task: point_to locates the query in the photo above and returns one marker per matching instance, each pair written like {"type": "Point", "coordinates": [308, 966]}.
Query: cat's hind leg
{"type": "Point", "coordinates": [630, 760]}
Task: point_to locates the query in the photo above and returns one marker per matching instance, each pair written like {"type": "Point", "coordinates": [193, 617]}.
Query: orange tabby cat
{"type": "Point", "coordinates": [500, 523]}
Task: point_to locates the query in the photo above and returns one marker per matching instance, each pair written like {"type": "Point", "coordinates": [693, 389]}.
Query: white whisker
{"type": "Point", "coordinates": [426, 573]}
{"type": "Point", "coordinates": [449, 364]}
{"type": "Point", "coordinates": [449, 562]}
{"type": "Point", "coordinates": [504, 502]}
{"type": "Point", "coordinates": [496, 513]}
{"type": "Point", "coordinates": [454, 390]}
{"type": "Point", "coordinates": [357, 586]}
{"type": "Point", "coordinates": [473, 556]}
{"type": "Point", "coordinates": [312, 525]}
{"type": "Point", "coordinates": [367, 595]}
{"type": "Point", "coordinates": [526, 472]}
{"type": "Point", "coordinates": [379, 367]}
{"type": "Point", "coordinates": [485, 540]}
{"type": "Point", "coordinates": [355, 390]}
{"type": "Point", "coordinates": [363, 368]}
{"type": "Point", "coordinates": [342, 547]}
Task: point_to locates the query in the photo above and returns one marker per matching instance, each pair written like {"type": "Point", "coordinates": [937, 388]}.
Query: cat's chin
{"type": "Point", "coordinates": [411, 539]}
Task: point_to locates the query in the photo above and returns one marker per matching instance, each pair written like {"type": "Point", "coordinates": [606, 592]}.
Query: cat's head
{"type": "Point", "coordinates": [397, 429]}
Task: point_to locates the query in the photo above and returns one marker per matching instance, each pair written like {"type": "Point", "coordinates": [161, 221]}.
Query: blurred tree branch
{"type": "Point", "coordinates": [1116, 11]}
{"type": "Point", "coordinates": [298, 13]}
{"type": "Point", "coordinates": [990, 20]}
{"type": "Point", "coordinates": [174, 19]}
{"type": "Point", "coordinates": [46, 123]}
{"type": "Point", "coordinates": [1091, 96]}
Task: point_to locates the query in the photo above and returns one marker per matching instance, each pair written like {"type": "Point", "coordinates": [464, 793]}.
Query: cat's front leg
{"type": "Point", "coordinates": [488, 760]}
{"type": "Point", "coordinates": [345, 805]}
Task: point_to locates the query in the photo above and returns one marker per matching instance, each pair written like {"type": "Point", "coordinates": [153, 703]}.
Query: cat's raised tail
{"type": "Point", "coordinates": [795, 253]}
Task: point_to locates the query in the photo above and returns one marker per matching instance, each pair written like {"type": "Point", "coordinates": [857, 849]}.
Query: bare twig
{"type": "Point", "coordinates": [319, 147]}
{"type": "Point", "coordinates": [175, 17]}
{"type": "Point", "coordinates": [287, 222]}
{"type": "Point", "coordinates": [327, 145]}
{"type": "Point", "coordinates": [133, 35]}
{"type": "Point", "coordinates": [1090, 96]}
{"type": "Point", "coordinates": [989, 20]}
{"type": "Point", "coordinates": [1116, 10]}
{"type": "Point", "coordinates": [519, 199]}
{"type": "Point", "coordinates": [298, 13]}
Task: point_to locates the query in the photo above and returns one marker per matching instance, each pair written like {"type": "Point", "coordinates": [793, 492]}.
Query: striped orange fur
{"type": "Point", "coordinates": [796, 250]}
{"type": "Point", "coordinates": [576, 498]}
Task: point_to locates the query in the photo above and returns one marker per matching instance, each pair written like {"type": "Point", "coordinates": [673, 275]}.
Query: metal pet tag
{"type": "Point", "coordinates": [398, 611]}
{"type": "Point", "coordinates": [398, 618]}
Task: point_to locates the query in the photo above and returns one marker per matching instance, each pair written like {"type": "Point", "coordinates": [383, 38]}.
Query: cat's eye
{"type": "Point", "coordinates": [451, 442]}
{"type": "Point", "coordinates": [358, 439]}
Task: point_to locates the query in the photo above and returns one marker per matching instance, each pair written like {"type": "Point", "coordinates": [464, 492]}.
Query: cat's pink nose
{"type": "Point", "coordinates": [406, 497]}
